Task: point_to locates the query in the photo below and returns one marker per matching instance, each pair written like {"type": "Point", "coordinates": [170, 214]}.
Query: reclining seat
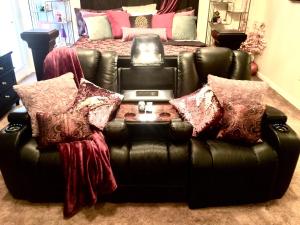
{"type": "Point", "coordinates": [224, 172]}
{"type": "Point", "coordinates": [37, 175]}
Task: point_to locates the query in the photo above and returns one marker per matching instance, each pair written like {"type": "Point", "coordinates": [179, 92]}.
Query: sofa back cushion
{"type": "Point", "coordinates": [99, 68]}
{"type": "Point", "coordinates": [193, 68]}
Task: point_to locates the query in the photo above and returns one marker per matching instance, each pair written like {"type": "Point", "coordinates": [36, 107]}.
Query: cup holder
{"type": "Point", "coordinates": [11, 128]}
{"type": "Point", "coordinates": [164, 115]}
{"type": "Point", "coordinates": [280, 127]}
{"type": "Point", "coordinates": [130, 115]}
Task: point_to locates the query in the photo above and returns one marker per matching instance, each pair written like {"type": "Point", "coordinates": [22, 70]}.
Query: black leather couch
{"type": "Point", "coordinates": [160, 161]}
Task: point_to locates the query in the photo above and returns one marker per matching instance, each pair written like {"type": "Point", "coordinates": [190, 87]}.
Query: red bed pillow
{"type": "Point", "coordinates": [117, 20]}
{"type": "Point", "coordinates": [163, 21]}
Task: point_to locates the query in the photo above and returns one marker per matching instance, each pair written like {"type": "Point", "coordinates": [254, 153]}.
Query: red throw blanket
{"type": "Point", "coordinates": [87, 171]}
{"type": "Point", "coordinates": [60, 61]}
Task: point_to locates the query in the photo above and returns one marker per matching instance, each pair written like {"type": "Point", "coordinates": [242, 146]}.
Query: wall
{"type": "Point", "coordinates": [279, 63]}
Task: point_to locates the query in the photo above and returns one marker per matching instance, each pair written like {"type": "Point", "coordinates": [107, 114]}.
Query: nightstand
{"type": "Point", "coordinates": [7, 79]}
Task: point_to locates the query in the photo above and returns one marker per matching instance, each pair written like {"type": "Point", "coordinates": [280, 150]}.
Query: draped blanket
{"type": "Point", "coordinates": [87, 172]}
{"type": "Point", "coordinates": [86, 162]}
{"type": "Point", "coordinates": [60, 61]}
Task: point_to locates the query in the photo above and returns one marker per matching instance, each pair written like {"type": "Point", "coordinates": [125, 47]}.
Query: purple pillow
{"type": "Point", "coordinates": [200, 108]}
{"type": "Point", "coordinates": [243, 108]}
{"type": "Point", "coordinates": [64, 127]}
{"type": "Point", "coordinates": [163, 21]}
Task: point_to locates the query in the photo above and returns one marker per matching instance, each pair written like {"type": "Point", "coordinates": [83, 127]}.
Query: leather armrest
{"type": "Point", "coordinates": [19, 115]}
{"type": "Point", "coordinates": [286, 143]}
{"type": "Point", "coordinates": [273, 115]}
{"type": "Point", "coordinates": [181, 130]}
{"type": "Point", "coordinates": [116, 131]}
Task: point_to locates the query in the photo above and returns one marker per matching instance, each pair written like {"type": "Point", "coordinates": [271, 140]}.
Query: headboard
{"type": "Point", "coordinates": [113, 4]}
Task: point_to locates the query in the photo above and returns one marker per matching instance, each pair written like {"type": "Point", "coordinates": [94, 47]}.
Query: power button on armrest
{"type": "Point", "coordinates": [11, 128]}
{"type": "Point", "coordinates": [280, 127]}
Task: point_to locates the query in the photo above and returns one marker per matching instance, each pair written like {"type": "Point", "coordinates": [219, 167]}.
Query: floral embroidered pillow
{"type": "Point", "coordinates": [64, 127]}
{"type": "Point", "coordinates": [201, 108]}
{"type": "Point", "coordinates": [100, 103]}
{"type": "Point", "coordinates": [243, 105]}
{"type": "Point", "coordinates": [55, 95]}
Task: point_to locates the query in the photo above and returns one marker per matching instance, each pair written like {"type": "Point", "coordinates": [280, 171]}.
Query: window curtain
{"type": "Point", "coordinates": [168, 6]}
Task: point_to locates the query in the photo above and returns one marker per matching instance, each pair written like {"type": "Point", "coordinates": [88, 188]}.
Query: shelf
{"type": "Point", "coordinates": [56, 14]}
{"type": "Point", "coordinates": [221, 2]}
{"type": "Point", "coordinates": [232, 14]}
{"type": "Point", "coordinates": [236, 12]}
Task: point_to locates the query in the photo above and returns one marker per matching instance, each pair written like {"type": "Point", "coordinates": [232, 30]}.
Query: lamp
{"type": "Point", "coordinates": [147, 50]}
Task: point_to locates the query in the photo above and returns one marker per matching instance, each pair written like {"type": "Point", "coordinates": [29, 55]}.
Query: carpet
{"type": "Point", "coordinates": [284, 211]}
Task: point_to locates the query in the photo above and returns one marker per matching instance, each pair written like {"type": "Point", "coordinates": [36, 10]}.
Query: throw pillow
{"type": "Point", "coordinates": [200, 108]}
{"type": "Point", "coordinates": [55, 95]}
{"type": "Point", "coordinates": [186, 13]}
{"type": "Point", "coordinates": [164, 21]}
{"type": "Point", "coordinates": [82, 13]}
{"type": "Point", "coordinates": [99, 102]}
{"type": "Point", "coordinates": [184, 28]}
{"type": "Point", "coordinates": [140, 10]}
{"type": "Point", "coordinates": [64, 127]}
{"type": "Point", "coordinates": [130, 33]}
{"type": "Point", "coordinates": [117, 20]}
{"type": "Point", "coordinates": [144, 21]}
{"type": "Point", "coordinates": [243, 108]}
{"type": "Point", "coordinates": [98, 27]}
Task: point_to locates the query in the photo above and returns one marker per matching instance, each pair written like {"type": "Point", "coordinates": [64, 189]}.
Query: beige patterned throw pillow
{"type": "Point", "coordinates": [52, 96]}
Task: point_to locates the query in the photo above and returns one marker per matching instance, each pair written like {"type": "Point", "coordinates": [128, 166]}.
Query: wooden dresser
{"type": "Point", "coordinates": [7, 79]}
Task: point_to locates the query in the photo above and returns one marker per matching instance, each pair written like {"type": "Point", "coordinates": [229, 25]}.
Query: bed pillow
{"type": "Point", "coordinates": [184, 28]}
{"type": "Point", "coordinates": [186, 13]}
{"type": "Point", "coordinates": [55, 95]}
{"type": "Point", "coordinates": [164, 21]}
{"type": "Point", "coordinates": [117, 20]}
{"type": "Point", "coordinates": [140, 10]}
{"type": "Point", "coordinates": [200, 108]}
{"type": "Point", "coordinates": [98, 27]}
{"type": "Point", "coordinates": [243, 108]}
{"type": "Point", "coordinates": [130, 33]}
{"type": "Point", "coordinates": [64, 127]}
{"type": "Point", "coordinates": [144, 21]}
{"type": "Point", "coordinates": [101, 103]}
{"type": "Point", "coordinates": [81, 13]}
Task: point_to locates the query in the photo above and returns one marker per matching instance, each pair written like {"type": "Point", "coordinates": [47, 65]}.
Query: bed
{"type": "Point", "coordinates": [121, 45]}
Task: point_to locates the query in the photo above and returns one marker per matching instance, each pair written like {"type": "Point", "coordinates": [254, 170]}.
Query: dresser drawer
{"type": "Point", "coordinates": [5, 63]}
{"type": "Point", "coordinates": [8, 97]}
{"type": "Point", "coordinates": [7, 80]}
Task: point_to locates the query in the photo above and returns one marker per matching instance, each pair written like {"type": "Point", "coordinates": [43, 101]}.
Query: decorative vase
{"type": "Point", "coordinates": [254, 68]}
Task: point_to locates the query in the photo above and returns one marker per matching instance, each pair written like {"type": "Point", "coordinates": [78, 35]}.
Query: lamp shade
{"type": "Point", "coordinates": [147, 50]}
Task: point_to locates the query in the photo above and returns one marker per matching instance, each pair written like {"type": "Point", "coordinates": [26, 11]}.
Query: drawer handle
{"type": "Point", "coordinates": [1, 68]}
{"type": "Point", "coordinates": [4, 83]}
{"type": "Point", "coordinates": [6, 96]}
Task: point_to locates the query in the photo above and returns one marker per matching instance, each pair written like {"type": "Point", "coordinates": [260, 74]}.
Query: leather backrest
{"type": "Point", "coordinates": [193, 68]}
{"type": "Point", "coordinates": [99, 67]}
{"type": "Point", "coordinates": [134, 78]}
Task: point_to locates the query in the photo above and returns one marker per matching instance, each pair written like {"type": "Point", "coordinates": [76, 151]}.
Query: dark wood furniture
{"type": "Point", "coordinates": [7, 79]}
{"type": "Point", "coordinates": [228, 38]}
{"type": "Point", "coordinates": [41, 42]}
